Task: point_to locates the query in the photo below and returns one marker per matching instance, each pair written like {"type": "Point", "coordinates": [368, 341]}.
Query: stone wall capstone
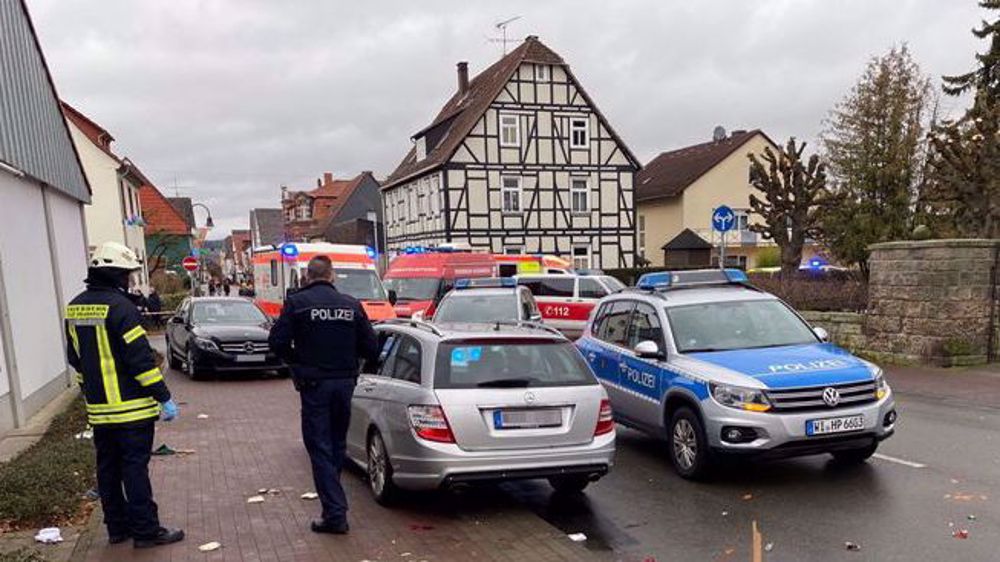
{"type": "Point", "coordinates": [931, 301]}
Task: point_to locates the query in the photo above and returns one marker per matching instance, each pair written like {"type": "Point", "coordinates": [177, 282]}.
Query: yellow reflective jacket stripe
{"type": "Point", "coordinates": [98, 419]}
{"type": "Point", "coordinates": [78, 377]}
{"type": "Point", "coordinates": [151, 376]}
{"type": "Point", "coordinates": [87, 311]}
{"type": "Point", "coordinates": [76, 340]}
{"type": "Point", "coordinates": [133, 334]}
{"type": "Point", "coordinates": [108, 370]}
{"type": "Point", "coordinates": [121, 406]}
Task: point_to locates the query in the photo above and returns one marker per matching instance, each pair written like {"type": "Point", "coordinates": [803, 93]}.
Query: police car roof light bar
{"type": "Point", "coordinates": [664, 280]}
{"type": "Point", "coordinates": [485, 283]}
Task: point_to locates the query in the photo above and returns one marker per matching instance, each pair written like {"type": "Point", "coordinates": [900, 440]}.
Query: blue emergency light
{"type": "Point", "coordinates": [370, 251]}
{"type": "Point", "coordinates": [663, 280]}
{"type": "Point", "coordinates": [485, 283]}
{"type": "Point", "coordinates": [289, 250]}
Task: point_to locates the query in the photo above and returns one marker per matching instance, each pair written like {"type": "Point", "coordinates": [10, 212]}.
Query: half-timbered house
{"type": "Point", "coordinates": [519, 160]}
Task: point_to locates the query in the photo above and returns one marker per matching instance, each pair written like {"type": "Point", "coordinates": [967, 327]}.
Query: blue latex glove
{"type": "Point", "coordinates": [168, 410]}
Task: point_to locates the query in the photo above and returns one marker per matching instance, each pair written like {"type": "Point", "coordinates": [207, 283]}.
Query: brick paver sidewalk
{"type": "Point", "coordinates": [252, 440]}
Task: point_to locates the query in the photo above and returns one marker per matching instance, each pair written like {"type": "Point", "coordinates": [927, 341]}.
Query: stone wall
{"type": "Point", "coordinates": [845, 328]}
{"type": "Point", "coordinates": [931, 301]}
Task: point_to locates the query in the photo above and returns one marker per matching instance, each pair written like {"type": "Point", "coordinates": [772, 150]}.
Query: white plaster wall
{"type": "Point", "coordinates": [105, 213]}
{"type": "Point", "coordinates": [35, 314]}
{"type": "Point", "coordinates": [4, 385]}
{"type": "Point", "coordinates": [68, 227]}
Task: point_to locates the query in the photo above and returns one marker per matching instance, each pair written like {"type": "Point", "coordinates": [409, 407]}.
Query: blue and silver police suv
{"type": "Point", "coordinates": [718, 367]}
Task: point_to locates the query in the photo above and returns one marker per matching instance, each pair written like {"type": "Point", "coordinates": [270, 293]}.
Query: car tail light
{"type": "Point", "coordinates": [605, 419]}
{"type": "Point", "coordinates": [430, 423]}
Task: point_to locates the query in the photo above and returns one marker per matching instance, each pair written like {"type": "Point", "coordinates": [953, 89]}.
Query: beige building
{"type": "Point", "coordinates": [115, 213]}
{"type": "Point", "coordinates": [677, 192]}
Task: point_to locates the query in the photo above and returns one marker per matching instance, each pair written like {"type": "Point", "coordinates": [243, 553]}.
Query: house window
{"type": "Point", "coordinates": [642, 235]}
{"type": "Point", "coordinates": [542, 73]}
{"type": "Point", "coordinates": [511, 194]}
{"type": "Point", "coordinates": [513, 250]}
{"type": "Point", "coordinates": [421, 148]}
{"type": "Point", "coordinates": [578, 193]}
{"type": "Point", "coordinates": [581, 257]}
{"type": "Point", "coordinates": [742, 221]}
{"type": "Point", "coordinates": [579, 133]}
{"type": "Point", "coordinates": [510, 130]}
{"type": "Point", "coordinates": [304, 211]}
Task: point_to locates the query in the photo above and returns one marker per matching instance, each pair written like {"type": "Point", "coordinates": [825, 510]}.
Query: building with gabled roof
{"type": "Point", "coordinates": [678, 190]}
{"type": "Point", "coordinates": [519, 160]}
{"type": "Point", "coordinates": [43, 237]}
{"type": "Point", "coordinates": [312, 214]}
{"type": "Point", "coordinates": [169, 233]}
{"type": "Point", "coordinates": [266, 227]}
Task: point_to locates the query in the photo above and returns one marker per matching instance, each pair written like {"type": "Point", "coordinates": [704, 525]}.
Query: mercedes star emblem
{"type": "Point", "coordinates": [529, 397]}
{"type": "Point", "coordinates": [831, 396]}
{"type": "Point", "coordinates": [248, 347]}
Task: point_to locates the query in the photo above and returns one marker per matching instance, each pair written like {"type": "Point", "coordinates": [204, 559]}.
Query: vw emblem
{"type": "Point", "coordinates": [248, 347]}
{"type": "Point", "coordinates": [529, 397]}
{"type": "Point", "coordinates": [831, 396]}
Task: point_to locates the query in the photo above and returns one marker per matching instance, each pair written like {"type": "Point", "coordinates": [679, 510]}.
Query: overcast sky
{"type": "Point", "coordinates": [230, 99]}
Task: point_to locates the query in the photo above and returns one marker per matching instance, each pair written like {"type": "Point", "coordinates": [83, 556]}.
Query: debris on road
{"type": "Point", "coordinates": [577, 537]}
{"type": "Point", "coordinates": [769, 547]}
{"type": "Point", "coordinates": [961, 534]}
{"type": "Point", "coordinates": [971, 517]}
{"type": "Point", "coordinates": [163, 450]}
{"type": "Point", "coordinates": [725, 513]}
{"type": "Point", "coordinates": [49, 535]}
{"type": "Point", "coordinates": [852, 545]}
{"type": "Point", "coordinates": [210, 546]}
{"type": "Point", "coordinates": [747, 497]}
{"type": "Point", "coordinates": [309, 496]}
{"type": "Point", "coordinates": [92, 495]}
{"type": "Point", "coordinates": [262, 490]}
{"type": "Point", "coordinates": [255, 499]}
{"type": "Point", "coordinates": [85, 434]}
{"type": "Point", "coordinates": [202, 416]}
{"type": "Point", "coordinates": [272, 491]}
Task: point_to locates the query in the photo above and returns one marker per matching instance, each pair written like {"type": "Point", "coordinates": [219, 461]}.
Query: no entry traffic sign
{"type": "Point", "coordinates": [190, 263]}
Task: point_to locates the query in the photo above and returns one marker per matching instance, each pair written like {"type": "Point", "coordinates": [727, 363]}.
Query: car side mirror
{"type": "Point", "coordinates": [648, 349]}
{"type": "Point", "coordinates": [821, 333]}
{"type": "Point", "coordinates": [536, 317]}
{"type": "Point", "coordinates": [393, 297]}
{"type": "Point", "coordinates": [419, 315]}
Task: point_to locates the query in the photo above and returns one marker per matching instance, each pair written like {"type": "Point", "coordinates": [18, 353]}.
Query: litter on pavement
{"type": "Point", "coordinates": [202, 416]}
{"type": "Point", "coordinates": [49, 535]}
{"type": "Point", "coordinates": [961, 534]}
{"type": "Point", "coordinates": [85, 434]}
{"type": "Point", "coordinates": [309, 496]}
{"type": "Point", "coordinates": [577, 537]}
{"type": "Point", "coordinates": [852, 545]}
{"type": "Point", "coordinates": [255, 499]}
{"type": "Point", "coordinates": [210, 546]}
{"type": "Point", "coordinates": [769, 547]}
{"type": "Point", "coordinates": [164, 450]}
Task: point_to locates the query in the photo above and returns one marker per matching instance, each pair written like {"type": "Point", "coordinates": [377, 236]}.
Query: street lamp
{"type": "Point", "coordinates": [209, 224]}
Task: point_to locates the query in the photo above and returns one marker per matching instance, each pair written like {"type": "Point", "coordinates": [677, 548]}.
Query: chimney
{"type": "Point", "coordinates": [463, 77]}
{"type": "Point", "coordinates": [284, 192]}
{"type": "Point", "coordinates": [327, 178]}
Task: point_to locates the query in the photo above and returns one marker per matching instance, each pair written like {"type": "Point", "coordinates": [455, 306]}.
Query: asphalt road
{"type": "Point", "coordinates": [939, 474]}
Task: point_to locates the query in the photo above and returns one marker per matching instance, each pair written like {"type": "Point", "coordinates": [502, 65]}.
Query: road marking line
{"type": "Point", "coordinates": [756, 552]}
{"type": "Point", "coordinates": [903, 462]}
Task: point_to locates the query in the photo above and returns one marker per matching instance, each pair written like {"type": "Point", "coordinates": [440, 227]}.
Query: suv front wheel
{"type": "Point", "coordinates": [688, 446]}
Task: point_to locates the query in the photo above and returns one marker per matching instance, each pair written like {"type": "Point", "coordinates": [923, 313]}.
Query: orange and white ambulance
{"type": "Point", "coordinates": [278, 269]}
{"type": "Point", "coordinates": [509, 265]}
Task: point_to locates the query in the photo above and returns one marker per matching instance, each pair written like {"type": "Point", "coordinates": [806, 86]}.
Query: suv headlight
{"type": "Point", "coordinates": [742, 398]}
{"type": "Point", "coordinates": [881, 387]}
{"type": "Point", "coordinates": [206, 343]}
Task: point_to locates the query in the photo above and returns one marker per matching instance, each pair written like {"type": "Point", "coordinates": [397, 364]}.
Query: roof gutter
{"type": "Point", "coordinates": [16, 172]}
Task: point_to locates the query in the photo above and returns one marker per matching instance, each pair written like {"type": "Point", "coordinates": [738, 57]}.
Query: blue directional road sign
{"type": "Point", "coordinates": [723, 218]}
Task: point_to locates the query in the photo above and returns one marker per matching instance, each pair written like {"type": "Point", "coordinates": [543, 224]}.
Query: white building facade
{"type": "Point", "coordinates": [519, 161]}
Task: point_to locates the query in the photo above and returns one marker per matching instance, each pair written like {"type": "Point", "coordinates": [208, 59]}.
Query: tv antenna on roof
{"type": "Point", "coordinates": [502, 26]}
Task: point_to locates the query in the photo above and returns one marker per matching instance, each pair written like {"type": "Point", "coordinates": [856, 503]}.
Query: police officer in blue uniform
{"type": "Point", "coordinates": [324, 334]}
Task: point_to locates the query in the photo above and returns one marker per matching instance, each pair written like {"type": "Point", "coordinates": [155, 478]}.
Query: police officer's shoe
{"type": "Point", "coordinates": [330, 527]}
{"type": "Point", "coordinates": [118, 539]}
{"type": "Point", "coordinates": [163, 536]}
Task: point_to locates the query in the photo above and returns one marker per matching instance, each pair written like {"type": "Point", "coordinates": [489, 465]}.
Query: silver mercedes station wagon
{"type": "Point", "coordinates": [460, 404]}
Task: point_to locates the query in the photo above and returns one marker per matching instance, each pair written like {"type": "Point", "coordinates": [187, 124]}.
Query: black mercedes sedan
{"type": "Point", "coordinates": [220, 334]}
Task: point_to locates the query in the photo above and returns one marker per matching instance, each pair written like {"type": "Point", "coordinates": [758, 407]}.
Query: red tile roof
{"type": "Point", "coordinates": [161, 217]}
{"type": "Point", "coordinates": [670, 173]}
{"type": "Point", "coordinates": [97, 134]}
{"type": "Point", "coordinates": [460, 114]}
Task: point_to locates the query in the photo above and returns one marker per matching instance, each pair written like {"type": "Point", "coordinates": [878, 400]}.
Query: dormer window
{"type": "Point", "coordinates": [304, 210]}
{"type": "Point", "coordinates": [510, 130]}
{"type": "Point", "coordinates": [542, 73]}
{"type": "Point", "coordinates": [421, 148]}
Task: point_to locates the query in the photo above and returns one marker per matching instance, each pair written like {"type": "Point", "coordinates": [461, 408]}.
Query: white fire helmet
{"type": "Point", "coordinates": [113, 254]}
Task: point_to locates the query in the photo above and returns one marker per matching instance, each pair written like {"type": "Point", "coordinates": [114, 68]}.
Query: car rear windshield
{"type": "Point", "coordinates": [362, 284]}
{"type": "Point", "coordinates": [722, 326]}
{"type": "Point", "coordinates": [492, 363]}
{"type": "Point", "coordinates": [464, 307]}
{"type": "Point", "coordinates": [414, 288]}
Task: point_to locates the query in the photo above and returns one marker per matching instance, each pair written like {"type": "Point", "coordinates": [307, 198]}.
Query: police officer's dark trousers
{"type": "Point", "coordinates": [123, 479]}
{"type": "Point", "coordinates": [326, 414]}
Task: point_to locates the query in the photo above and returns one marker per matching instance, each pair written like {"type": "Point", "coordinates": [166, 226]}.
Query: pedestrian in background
{"type": "Point", "coordinates": [225, 287]}
{"type": "Point", "coordinates": [155, 306]}
{"type": "Point", "coordinates": [211, 287]}
{"type": "Point", "coordinates": [324, 334]}
{"type": "Point", "coordinates": [124, 393]}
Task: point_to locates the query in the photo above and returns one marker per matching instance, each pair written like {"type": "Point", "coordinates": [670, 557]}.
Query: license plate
{"type": "Point", "coordinates": [256, 358]}
{"type": "Point", "coordinates": [527, 419]}
{"type": "Point", "coordinates": [835, 425]}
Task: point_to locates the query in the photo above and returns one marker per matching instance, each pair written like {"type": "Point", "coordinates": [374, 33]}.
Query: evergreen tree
{"type": "Point", "coordinates": [963, 194]}
{"type": "Point", "coordinates": [875, 146]}
{"type": "Point", "coordinates": [794, 194]}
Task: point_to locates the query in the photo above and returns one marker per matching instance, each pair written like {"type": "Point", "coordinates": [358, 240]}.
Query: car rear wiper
{"type": "Point", "coordinates": [506, 383]}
